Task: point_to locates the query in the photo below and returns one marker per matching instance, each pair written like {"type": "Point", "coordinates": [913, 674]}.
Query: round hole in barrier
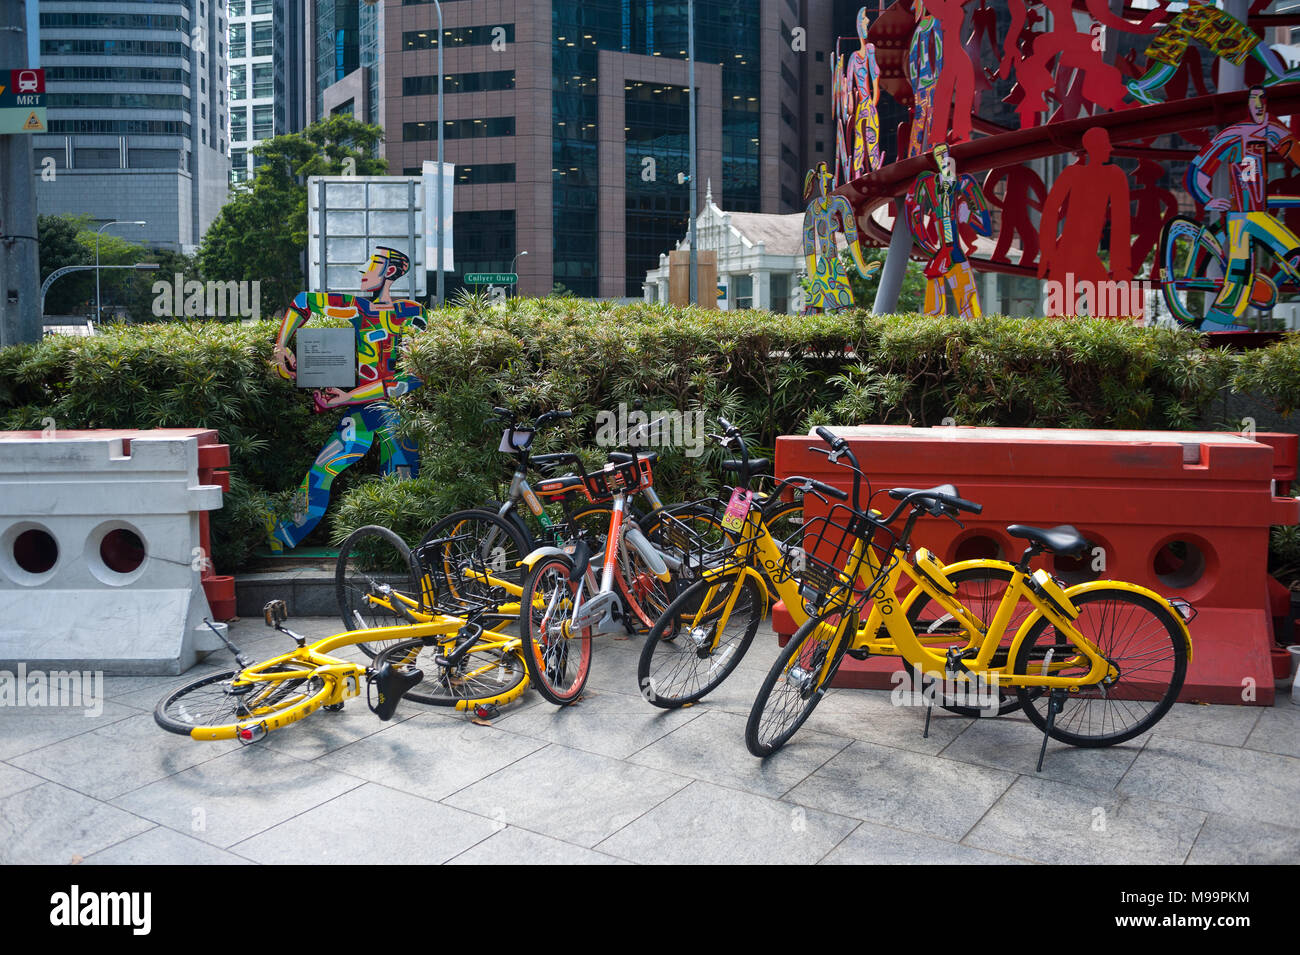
{"type": "Point", "coordinates": [121, 550]}
{"type": "Point", "coordinates": [1093, 564]}
{"type": "Point", "coordinates": [35, 551]}
{"type": "Point", "coordinates": [977, 547]}
{"type": "Point", "coordinates": [1179, 563]}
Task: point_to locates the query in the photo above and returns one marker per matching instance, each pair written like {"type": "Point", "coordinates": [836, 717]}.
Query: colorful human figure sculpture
{"type": "Point", "coordinates": [938, 205]}
{"type": "Point", "coordinates": [863, 80]}
{"type": "Point", "coordinates": [1244, 149]}
{"type": "Point", "coordinates": [842, 111]}
{"type": "Point", "coordinates": [1095, 192]}
{"type": "Point", "coordinates": [379, 322]}
{"type": "Point", "coordinates": [924, 64]}
{"type": "Point", "coordinates": [954, 88]}
{"type": "Point", "coordinates": [1220, 33]}
{"type": "Point", "coordinates": [826, 216]}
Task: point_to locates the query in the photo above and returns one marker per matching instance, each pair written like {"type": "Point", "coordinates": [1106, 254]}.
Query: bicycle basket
{"type": "Point", "coordinates": [693, 533]}
{"type": "Point", "coordinates": [823, 558]}
{"type": "Point", "coordinates": [457, 577]}
{"type": "Point", "coordinates": [619, 477]}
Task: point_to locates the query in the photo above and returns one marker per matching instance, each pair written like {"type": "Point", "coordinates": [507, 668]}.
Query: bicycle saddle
{"type": "Point", "coordinates": [392, 682]}
{"type": "Point", "coordinates": [756, 465]}
{"type": "Point", "coordinates": [942, 490]}
{"type": "Point", "coordinates": [1062, 539]}
{"type": "Point", "coordinates": [552, 487]}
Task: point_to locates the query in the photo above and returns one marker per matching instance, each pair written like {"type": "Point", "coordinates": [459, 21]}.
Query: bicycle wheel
{"type": "Point", "coordinates": [645, 596]}
{"type": "Point", "coordinates": [215, 707]}
{"type": "Point", "coordinates": [697, 641]}
{"type": "Point", "coordinates": [484, 674]}
{"type": "Point", "coordinates": [1189, 254]}
{"type": "Point", "coordinates": [797, 681]}
{"type": "Point", "coordinates": [980, 590]}
{"type": "Point", "coordinates": [371, 559]}
{"type": "Point", "coordinates": [1139, 637]}
{"type": "Point", "coordinates": [558, 659]}
{"type": "Point", "coordinates": [486, 540]}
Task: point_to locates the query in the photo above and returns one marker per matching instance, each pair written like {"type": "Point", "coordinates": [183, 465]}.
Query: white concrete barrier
{"type": "Point", "coordinates": [100, 557]}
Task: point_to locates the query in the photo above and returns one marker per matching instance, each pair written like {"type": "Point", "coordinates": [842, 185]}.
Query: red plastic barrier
{"type": "Point", "coordinates": [1186, 514]}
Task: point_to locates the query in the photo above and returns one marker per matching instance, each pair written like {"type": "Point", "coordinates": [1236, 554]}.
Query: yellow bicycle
{"type": "Point", "coordinates": [1092, 665]}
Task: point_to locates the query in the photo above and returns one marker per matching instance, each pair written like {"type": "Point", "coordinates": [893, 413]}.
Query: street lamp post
{"type": "Point", "coordinates": [690, 46]}
{"type": "Point", "coordinates": [441, 37]}
{"type": "Point", "coordinates": [514, 273]}
{"type": "Point", "coordinates": [98, 232]}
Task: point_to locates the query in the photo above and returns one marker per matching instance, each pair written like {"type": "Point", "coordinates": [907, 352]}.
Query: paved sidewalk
{"type": "Point", "coordinates": [616, 780]}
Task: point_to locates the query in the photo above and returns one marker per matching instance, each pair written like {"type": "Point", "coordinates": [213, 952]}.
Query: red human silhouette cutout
{"type": "Point", "coordinates": [1100, 83]}
{"type": "Point", "coordinates": [1023, 190]}
{"type": "Point", "coordinates": [1091, 190]}
{"type": "Point", "coordinates": [954, 93]}
{"type": "Point", "coordinates": [1153, 206]}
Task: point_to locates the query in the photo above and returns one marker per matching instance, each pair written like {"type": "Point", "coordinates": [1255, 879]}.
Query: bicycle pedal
{"type": "Point", "coordinates": [858, 653]}
{"type": "Point", "coordinates": [486, 711]}
{"type": "Point", "coordinates": [333, 707]}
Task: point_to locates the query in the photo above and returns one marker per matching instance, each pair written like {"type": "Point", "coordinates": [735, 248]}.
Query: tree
{"type": "Point", "coordinates": [261, 233]}
{"type": "Point", "coordinates": [60, 248]}
{"type": "Point", "coordinates": [911, 297]}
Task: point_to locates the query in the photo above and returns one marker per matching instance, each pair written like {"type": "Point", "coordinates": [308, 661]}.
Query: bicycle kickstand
{"type": "Point", "coordinates": [1055, 703]}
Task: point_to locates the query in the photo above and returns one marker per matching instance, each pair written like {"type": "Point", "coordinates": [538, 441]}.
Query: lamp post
{"type": "Point", "coordinates": [441, 277]}
{"type": "Point", "coordinates": [516, 275]}
{"type": "Point", "coordinates": [690, 46]}
{"type": "Point", "coordinates": [98, 232]}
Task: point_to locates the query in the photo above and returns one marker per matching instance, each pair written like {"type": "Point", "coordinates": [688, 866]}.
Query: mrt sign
{"type": "Point", "coordinates": [22, 101]}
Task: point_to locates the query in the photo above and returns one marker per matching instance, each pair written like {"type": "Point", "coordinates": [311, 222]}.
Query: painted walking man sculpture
{"type": "Point", "coordinates": [379, 321]}
{"type": "Point", "coordinates": [938, 205]}
{"type": "Point", "coordinates": [825, 216]}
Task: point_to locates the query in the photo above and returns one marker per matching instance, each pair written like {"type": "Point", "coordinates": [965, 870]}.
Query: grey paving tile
{"type": "Point", "coordinates": [431, 756]}
{"type": "Point", "coordinates": [712, 748]}
{"type": "Point", "coordinates": [236, 795]}
{"type": "Point", "coordinates": [1226, 725]}
{"type": "Point", "coordinates": [1228, 840]}
{"type": "Point", "coordinates": [24, 729]}
{"type": "Point", "coordinates": [1052, 822]}
{"type": "Point", "coordinates": [370, 825]}
{"type": "Point", "coordinates": [163, 846]}
{"type": "Point", "coordinates": [905, 790]}
{"type": "Point", "coordinates": [135, 690]}
{"type": "Point", "coordinates": [1014, 745]}
{"type": "Point", "coordinates": [870, 844]}
{"type": "Point", "coordinates": [871, 715]}
{"type": "Point", "coordinates": [114, 759]}
{"type": "Point", "coordinates": [511, 846]}
{"type": "Point", "coordinates": [706, 824]}
{"type": "Point", "coordinates": [1278, 730]}
{"type": "Point", "coordinates": [605, 722]}
{"type": "Point", "coordinates": [50, 825]}
{"type": "Point", "coordinates": [13, 780]}
{"type": "Point", "coordinates": [325, 731]}
{"type": "Point", "coordinates": [576, 796]}
{"type": "Point", "coordinates": [1224, 779]}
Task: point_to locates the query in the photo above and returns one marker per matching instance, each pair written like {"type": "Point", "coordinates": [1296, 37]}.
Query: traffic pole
{"type": "Point", "coordinates": [20, 267]}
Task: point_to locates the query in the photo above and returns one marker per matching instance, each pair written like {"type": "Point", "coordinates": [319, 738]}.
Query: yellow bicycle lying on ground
{"type": "Point", "coordinates": [1092, 665]}
{"type": "Point", "coordinates": [442, 657]}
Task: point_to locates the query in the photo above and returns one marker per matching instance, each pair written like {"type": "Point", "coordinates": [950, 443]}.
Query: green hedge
{"type": "Point", "coordinates": [771, 374]}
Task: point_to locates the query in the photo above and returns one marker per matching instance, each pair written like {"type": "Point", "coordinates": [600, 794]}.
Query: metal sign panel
{"type": "Point", "coordinates": [348, 217]}
{"type": "Point", "coordinates": [22, 101]}
{"type": "Point", "coordinates": [327, 358]}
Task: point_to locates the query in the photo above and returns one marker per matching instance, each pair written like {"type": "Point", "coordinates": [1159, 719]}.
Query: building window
{"type": "Point", "coordinates": [821, 90]}
{"type": "Point", "coordinates": [820, 146]}
{"type": "Point", "coordinates": [457, 36]}
{"type": "Point", "coordinates": [483, 82]}
{"type": "Point", "coordinates": [820, 117]}
{"type": "Point", "coordinates": [780, 293]}
{"type": "Point", "coordinates": [263, 39]}
{"type": "Point", "coordinates": [741, 288]}
{"type": "Point", "coordinates": [263, 122]}
{"type": "Point", "coordinates": [820, 56]}
{"type": "Point", "coordinates": [263, 80]}
{"type": "Point", "coordinates": [459, 129]}
{"type": "Point", "coordinates": [479, 173]}
{"type": "Point", "coordinates": [238, 83]}
{"type": "Point", "coordinates": [239, 124]}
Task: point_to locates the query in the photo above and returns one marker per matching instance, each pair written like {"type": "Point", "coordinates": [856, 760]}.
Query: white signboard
{"type": "Point", "coordinates": [327, 358]}
{"type": "Point", "coordinates": [349, 216]}
{"type": "Point", "coordinates": [430, 170]}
